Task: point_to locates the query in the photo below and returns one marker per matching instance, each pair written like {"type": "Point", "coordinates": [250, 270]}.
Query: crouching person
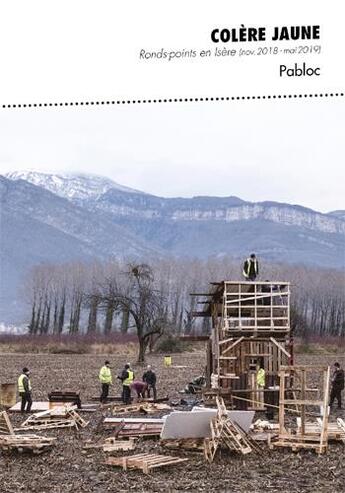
{"type": "Point", "coordinates": [140, 389]}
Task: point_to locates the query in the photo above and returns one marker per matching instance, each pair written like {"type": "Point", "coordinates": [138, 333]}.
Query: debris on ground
{"type": "Point", "coordinates": [226, 433]}
{"type": "Point", "coordinates": [21, 443]}
{"type": "Point", "coordinates": [195, 385]}
{"type": "Point", "coordinates": [145, 462]}
{"type": "Point", "coordinates": [190, 444]}
{"type": "Point", "coordinates": [113, 445]}
{"type": "Point", "coordinates": [141, 407]}
{"type": "Point", "coordinates": [5, 424]}
{"type": "Point", "coordinates": [127, 427]}
{"type": "Point", "coordinates": [59, 417]}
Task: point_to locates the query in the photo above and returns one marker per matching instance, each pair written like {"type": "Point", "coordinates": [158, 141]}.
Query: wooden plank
{"type": "Point", "coordinates": [303, 402]}
{"type": "Point", "coordinates": [279, 346]}
{"type": "Point", "coordinates": [5, 423]}
{"type": "Point", "coordinates": [232, 345]}
{"type": "Point", "coordinates": [145, 462]}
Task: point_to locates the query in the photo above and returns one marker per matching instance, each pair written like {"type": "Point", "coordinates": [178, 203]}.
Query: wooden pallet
{"type": "Point", "coordinates": [21, 443]}
{"type": "Point", "coordinates": [145, 462]}
{"type": "Point", "coordinates": [226, 433]}
{"type": "Point", "coordinates": [5, 424]}
{"type": "Point", "coordinates": [336, 431]}
{"type": "Point", "coordinates": [305, 437]}
{"type": "Point", "coordinates": [47, 424]}
{"type": "Point", "coordinates": [125, 429]}
{"type": "Point", "coordinates": [113, 445]}
{"type": "Point", "coordinates": [191, 444]}
{"type": "Point", "coordinates": [143, 407]}
{"type": "Point", "coordinates": [62, 417]}
{"type": "Point", "coordinates": [79, 421]}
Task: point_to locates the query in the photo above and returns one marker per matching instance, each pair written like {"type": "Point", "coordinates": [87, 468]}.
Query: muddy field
{"type": "Point", "coordinates": [69, 468]}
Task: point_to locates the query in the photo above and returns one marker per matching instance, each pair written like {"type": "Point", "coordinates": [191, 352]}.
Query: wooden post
{"type": "Point", "coordinates": [281, 402]}
{"type": "Point", "coordinates": [324, 427]}
{"type": "Point", "coordinates": [303, 396]}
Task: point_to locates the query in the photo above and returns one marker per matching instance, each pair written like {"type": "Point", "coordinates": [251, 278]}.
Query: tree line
{"type": "Point", "coordinates": [103, 297]}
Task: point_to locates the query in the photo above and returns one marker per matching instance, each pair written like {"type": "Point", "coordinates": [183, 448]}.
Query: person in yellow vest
{"type": "Point", "coordinates": [106, 380]}
{"type": "Point", "coordinates": [260, 383]}
{"type": "Point", "coordinates": [24, 389]}
{"type": "Point", "coordinates": [126, 377]}
{"type": "Point", "coordinates": [251, 268]}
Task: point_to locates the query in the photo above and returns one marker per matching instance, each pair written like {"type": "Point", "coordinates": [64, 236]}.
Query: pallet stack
{"type": "Point", "coordinates": [225, 433]}
{"type": "Point", "coordinates": [145, 462]}
{"type": "Point", "coordinates": [143, 407]}
{"type": "Point", "coordinates": [21, 443]}
{"type": "Point", "coordinates": [63, 417]}
{"type": "Point", "coordinates": [302, 403]}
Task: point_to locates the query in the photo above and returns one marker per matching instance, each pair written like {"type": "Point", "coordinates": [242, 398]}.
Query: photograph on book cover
{"type": "Point", "coordinates": [173, 221]}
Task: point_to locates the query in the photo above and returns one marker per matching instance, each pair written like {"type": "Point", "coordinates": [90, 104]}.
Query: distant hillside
{"type": "Point", "coordinates": [37, 226]}
{"type": "Point", "coordinates": [338, 214]}
{"type": "Point", "coordinates": [58, 217]}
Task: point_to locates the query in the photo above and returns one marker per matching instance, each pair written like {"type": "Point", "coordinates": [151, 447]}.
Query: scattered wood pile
{"type": "Point", "coordinates": [21, 443]}
{"type": "Point", "coordinates": [126, 429]}
{"type": "Point", "coordinates": [190, 444]}
{"type": "Point", "coordinates": [134, 427]}
{"type": "Point", "coordinates": [61, 417]}
{"type": "Point", "coordinates": [304, 437]}
{"type": "Point", "coordinates": [225, 433]}
{"type": "Point", "coordinates": [336, 431]}
{"type": "Point", "coordinates": [145, 462]}
{"type": "Point", "coordinates": [6, 427]}
{"type": "Point", "coordinates": [141, 407]}
{"type": "Point", "coordinates": [112, 444]}
{"type": "Point", "coordinates": [264, 425]}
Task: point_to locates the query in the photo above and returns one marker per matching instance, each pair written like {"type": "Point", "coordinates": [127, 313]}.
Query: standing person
{"type": "Point", "coordinates": [126, 377]}
{"type": "Point", "coordinates": [337, 385]}
{"type": "Point", "coordinates": [251, 268]}
{"type": "Point", "coordinates": [260, 383]}
{"type": "Point", "coordinates": [106, 380]}
{"type": "Point", "coordinates": [150, 378]}
{"type": "Point", "coordinates": [24, 389]}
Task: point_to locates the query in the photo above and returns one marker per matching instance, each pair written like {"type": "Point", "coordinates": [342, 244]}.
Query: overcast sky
{"type": "Point", "coordinates": [284, 150]}
{"type": "Point", "coordinates": [289, 151]}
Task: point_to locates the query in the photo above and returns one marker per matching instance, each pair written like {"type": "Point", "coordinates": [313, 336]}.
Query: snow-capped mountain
{"type": "Point", "coordinates": [70, 186]}
{"type": "Point", "coordinates": [58, 218]}
{"type": "Point", "coordinates": [97, 192]}
{"type": "Point", "coordinates": [338, 214]}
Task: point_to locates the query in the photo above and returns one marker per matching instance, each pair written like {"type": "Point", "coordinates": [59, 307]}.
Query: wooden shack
{"type": "Point", "coordinates": [250, 329]}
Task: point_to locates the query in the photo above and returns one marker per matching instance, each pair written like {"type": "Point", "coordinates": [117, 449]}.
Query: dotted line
{"type": "Point", "coordinates": [171, 100]}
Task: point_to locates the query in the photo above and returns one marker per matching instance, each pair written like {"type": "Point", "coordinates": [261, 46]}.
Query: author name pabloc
{"type": "Point", "coordinates": [298, 71]}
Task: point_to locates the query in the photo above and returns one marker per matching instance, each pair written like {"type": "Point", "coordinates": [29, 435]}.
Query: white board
{"type": "Point", "coordinates": [196, 423]}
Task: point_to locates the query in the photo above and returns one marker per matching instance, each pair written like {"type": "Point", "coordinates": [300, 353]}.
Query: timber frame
{"type": "Point", "coordinates": [305, 403]}
{"type": "Point", "coordinates": [250, 326]}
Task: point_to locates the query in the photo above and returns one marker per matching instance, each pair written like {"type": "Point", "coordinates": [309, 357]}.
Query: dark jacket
{"type": "Point", "coordinates": [26, 385]}
{"type": "Point", "coordinates": [251, 267]}
{"type": "Point", "coordinates": [150, 378]}
{"type": "Point", "coordinates": [338, 379]}
{"type": "Point", "coordinates": [124, 375]}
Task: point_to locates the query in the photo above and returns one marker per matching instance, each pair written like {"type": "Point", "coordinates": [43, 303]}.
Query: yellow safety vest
{"type": "Point", "coordinates": [21, 388]}
{"type": "Point", "coordinates": [260, 377]}
{"type": "Point", "coordinates": [105, 375]}
{"type": "Point", "coordinates": [129, 379]}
